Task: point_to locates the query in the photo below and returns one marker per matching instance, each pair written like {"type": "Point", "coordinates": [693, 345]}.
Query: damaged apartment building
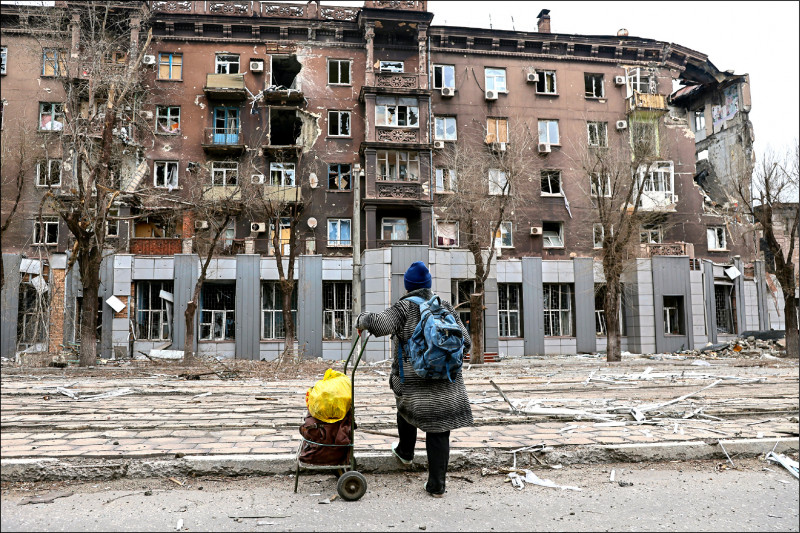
{"type": "Point", "coordinates": [340, 116]}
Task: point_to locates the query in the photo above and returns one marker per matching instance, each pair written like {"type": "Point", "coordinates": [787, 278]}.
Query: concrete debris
{"type": "Point", "coordinates": [746, 347]}
{"type": "Point", "coordinates": [788, 464]}
{"type": "Point", "coordinates": [44, 498]}
{"type": "Point", "coordinates": [179, 525]}
{"type": "Point", "coordinates": [518, 481]}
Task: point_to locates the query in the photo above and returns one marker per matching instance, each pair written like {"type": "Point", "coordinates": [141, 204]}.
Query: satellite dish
{"type": "Point", "coordinates": [312, 222]}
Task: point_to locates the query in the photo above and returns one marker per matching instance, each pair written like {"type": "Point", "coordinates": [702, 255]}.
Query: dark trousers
{"type": "Point", "coordinates": [437, 446]}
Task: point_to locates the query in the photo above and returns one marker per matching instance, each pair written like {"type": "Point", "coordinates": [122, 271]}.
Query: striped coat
{"type": "Point", "coordinates": [431, 405]}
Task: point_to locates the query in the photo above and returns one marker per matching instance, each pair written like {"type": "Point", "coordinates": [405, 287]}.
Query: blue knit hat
{"type": "Point", "coordinates": [417, 276]}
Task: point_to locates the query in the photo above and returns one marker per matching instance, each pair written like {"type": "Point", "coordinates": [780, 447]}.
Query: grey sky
{"type": "Point", "coordinates": [758, 38]}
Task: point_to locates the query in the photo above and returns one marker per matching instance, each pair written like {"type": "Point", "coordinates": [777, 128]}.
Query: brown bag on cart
{"type": "Point", "coordinates": [316, 430]}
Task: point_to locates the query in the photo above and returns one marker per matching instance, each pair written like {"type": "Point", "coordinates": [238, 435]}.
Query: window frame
{"type": "Point", "coordinates": [223, 61]}
{"type": "Point", "coordinates": [498, 182]}
{"type": "Point", "coordinates": [504, 296]}
{"type": "Point", "coordinates": [340, 123]}
{"type": "Point", "coordinates": [336, 314]}
{"type": "Point", "coordinates": [493, 127]}
{"type": "Point", "coordinates": [282, 174]}
{"type": "Point", "coordinates": [394, 226]}
{"type": "Point", "coordinates": [228, 334]}
{"type": "Point", "coordinates": [166, 164]}
{"type": "Point", "coordinates": [171, 66]}
{"type": "Point", "coordinates": [339, 242]}
{"type": "Point", "coordinates": [547, 238]}
{"type": "Point", "coordinates": [717, 232]}
{"type": "Point", "coordinates": [494, 74]}
{"type": "Point", "coordinates": [595, 179]}
{"type": "Point", "coordinates": [285, 229]}
{"type": "Point", "coordinates": [565, 293]}
{"type": "Point", "coordinates": [223, 168]}
{"type": "Point", "coordinates": [56, 63]}
{"type": "Point", "coordinates": [448, 184]}
{"type": "Point", "coordinates": [47, 221]}
{"type": "Point", "coordinates": [601, 134]}
{"type": "Point", "coordinates": [543, 76]}
{"type": "Point", "coordinates": [384, 66]}
{"type": "Point", "coordinates": [166, 113]}
{"type": "Point", "coordinates": [3, 60]}
{"type": "Point", "coordinates": [340, 176]}
{"type": "Point", "coordinates": [339, 70]}
{"type": "Point", "coordinates": [445, 119]}
{"type": "Point", "coordinates": [48, 164]}
{"type": "Point", "coordinates": [598, 245]}
{"type": "Point", "coordinates": [388, 115]}
{"type": "Point", "coordinates": [680, 315]}
{"type": "Point", "coordinates": [593, 76]}
{"type": "Point", "coordinates": [506, 233]}
{"type": "Point", "coordinates": [646, 231]}
{"type": "Point", "coordinates": [549, 173]}
{"type": "Point", "coordinates": [699, 120]}
{"type": "Point", "coordinates": [143, 316]}
{"type": "Point", "coordinates": [275, 311]}
{"type": "Point", "coordinates": [443, 84]}
{"type": "Point", "coordinates": [457, 234]}
{"type": "Point", "coordinates": [56, 111]}
{"type": "Point", "coordinates": [384, 160]}
{"type": "Point", "coordinates": [548, 122]}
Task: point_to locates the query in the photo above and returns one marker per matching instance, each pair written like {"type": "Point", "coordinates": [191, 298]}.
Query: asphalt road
{"type": "Point", "coordinates": [684, 496]}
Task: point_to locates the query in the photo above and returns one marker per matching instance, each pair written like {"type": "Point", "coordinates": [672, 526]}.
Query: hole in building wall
{"type": "Point", "coordinates": [284, 127]}
{"type": "Point", "coordinates": [285, 70]}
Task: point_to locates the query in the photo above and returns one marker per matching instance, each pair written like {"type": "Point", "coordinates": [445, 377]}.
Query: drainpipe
{"type": "Point", "coordinates": [355, 237]}
{"type": "Point", "coordinates": [431, 171]}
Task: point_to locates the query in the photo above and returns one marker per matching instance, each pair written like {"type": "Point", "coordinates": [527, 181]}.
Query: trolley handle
{"type": "Point", "coordinates": [360, 354]}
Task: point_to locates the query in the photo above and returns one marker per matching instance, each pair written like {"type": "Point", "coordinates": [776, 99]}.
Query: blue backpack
{"type": "Point", "coordinates": [436, 348]}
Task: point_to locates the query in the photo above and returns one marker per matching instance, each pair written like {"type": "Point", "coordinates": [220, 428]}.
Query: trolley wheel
{"type": "Point", "coordinates": [351, 486]}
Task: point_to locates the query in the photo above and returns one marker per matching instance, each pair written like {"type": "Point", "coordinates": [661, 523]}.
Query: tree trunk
{"type": "Point", "coordinates": [792, 341]}
{"type": "Point", "coordinates": [287, 288]}
{"type": "Point", "coordinates": [89, 302]}
{"type": "Point", "coordinates": [476, 327]}
{"type": "Point", "coordinates": [188, 342]}
{"type": "Point", "coordinates": [611, 311]}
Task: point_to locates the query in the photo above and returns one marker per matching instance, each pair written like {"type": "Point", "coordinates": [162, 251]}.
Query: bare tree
{"type": "Point", "coordinates": [490, 171]}
{"type": "Point", "coordinates": [93, 49]}
{"type": "Point", "coordinates": [627, 190]}
{"type": "Point", "coordinates": [774, 190]}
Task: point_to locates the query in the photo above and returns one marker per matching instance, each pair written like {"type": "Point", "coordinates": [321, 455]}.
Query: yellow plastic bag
{"type": "Point", "coordinates": [330, 398]}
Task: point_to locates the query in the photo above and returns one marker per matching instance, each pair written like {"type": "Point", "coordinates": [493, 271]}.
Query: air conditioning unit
{"type": "Point", "coordinates": [544, 148]}
{"type": "Point", "coordinates": [258, 227]}
{"type": "Point", "coordinates": [448, 91]}
{"type": "Point", "coordinates": [491, 95]}
{"type": "Point", "coordinates": [532, 77]}
{"type": "Point", "coordinates": [619, 80]}
{"type": "Point", "coordinates": [256, 66]}
{"type": "Point", "coordinates": [200, 224]}
{"type": "Point", "coordinates": [257, 178]}
{"type": "Point", "coordinates": [149, 60]}
{"type": "Point", "coordinates": [438, 144]}
{"type": "Point", "coordinates": [622, 124]}
{"type": "Point", "coordinates": [536, 230]}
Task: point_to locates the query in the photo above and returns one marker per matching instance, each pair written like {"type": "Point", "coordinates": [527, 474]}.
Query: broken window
{"type": "Point", "coordinates": [551, 182]}
{"type": "Point", "coordinates": [650, 234]}
{"type": "Point", "coordinates": [495, 79]}
{"type": "Point", "coordinates": [112, 222]}
{"type": "Point", "coordinates": [45, 231]}
{"type": "Point", "coordinates": [168, 119]}
{"type": "Point", "coordinates": [557, 309]}
{"type": "Point", "coordinates": [496, 130]}
{"type": "Point", "coordinates": [48, 173]}
{"type": "Point", "coordinates": [599, 312]}
{"type": "Point", "coordinates": [284, 127]}
{"type": "Point", "coordinates": [725, 308]}
{"type": "Point", "coordinates": [217, 318]}
{"type": "Point", "coordinates": [548, 132]}
{"type": "Point", "coordinates": [699, 120]}
{"type": "Point", "coordinates": [509, 309]}
{"type": "Point", "coordinates": [642, 81]}
{"type": "Point", "coordinates": [598, 235]}
{"type": "Point", "coordinates": [338, 311]}
{"type": "Point", "coordinates": [673, 315]}
{"type": "Point", "coordinates": [716, 238]}
{"type": "Point", "coordinates": [547, 82]}
{"type": "Point", "coordinates": [339, 232]}
{"type": "Point", "coordinates": [593, 85]}
{"type": "Point", "coordinates": [339, 123]}
{"type": "Point", "coordinates": [281, 174]}
{"type": "Point", "coordinates": [339, 71]}
{"type": "Point", "coordinates": [553, 234]}
{"type": "Point", "coordinates": [156, 226]}
{"type": "Point", "coordinates": [3, 59]}
{"type": "Point", "coordinates": [600, 184]}
{"type": "Point", "coordinates": [165, 174]}
{"type": "Point", "coordinates": [53, 62]}
{"type": "Point", "coordinates": [272, 325]}
{"type": "Point", "coordinates": [339, 176]}
{"type": "Point", "coordinates": [224, 173]}
{"type": "Point", "coordinates": [394, 165]}
{"type": "Point", "coordinates": [461, 291]}
{"type": "Point", "coordinates": [391, 66]}
{"type": "Point", "coordinates": [498, 182]}
{"type": "Point", "coordinates": [284, 71]}
{"type": "Point", "coordinates": [446, 234]}
{"type": "Point", "coordinates": [226, 63]}
{"type": "Point", "coordinates": [445, 129]}
{"type": "Point", "coordinates": [170, 66]}
{"type": "Point", "coordinates": [284, 236]}
{"type": "Point", "coordinates": [32, 310]}
{"type": "Point", "coordinates": [396, 111]}
{"type": "Point", "coordinates": [446, 180]}
{"type": "Point", "coordinates": [51, 116]}
{"type": "Point", "coordinates": [444, 76]}
{"type": "Point", "coordinates": [504, 238]}
{"type": "Point", "coordinates": [598, 134]}
{"type": "Point", "coordinates": [657, 184]}
{"type": "Point", "coordinates": [394, 229]}
{"type": "Point", "coordinates": [644, 138]}
{"type": "Point", "coordinates": [153, 310]}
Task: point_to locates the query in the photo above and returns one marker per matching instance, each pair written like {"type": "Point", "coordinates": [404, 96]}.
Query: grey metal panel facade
{"type": "Point", "coordinates": [761, 291]}
{"type": "Point", "coordinates": [309, 305]}
{"type": "Point", "coordinates": [185, 276]}
{"type": "Point", "coordinates": [402, 257]}
{"type": "Point", "coordinates": [248, 298]}
{"type": "Point", "coordinates": [630, 293]}
{"type": "Point", "coordinates": [105, 291]}
{"type": "Point", "coordinates": [10, 297]}
{"type": "Point", "coordinates": [741, 321]}
{"type": "Point", "coordinates": [671, 278]}
{"type": "Point", "coordinates": [532, 300]}
{"type": "Point", "coordinates": [708, 293]}
{"type": "Point", "coordinates": [72, 289]}
{"type": "Point", "coordinates": [585, 333]}
{"type": "Point", "coordinates": [490, 325]}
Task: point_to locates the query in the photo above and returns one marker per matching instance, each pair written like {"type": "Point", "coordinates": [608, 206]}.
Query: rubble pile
{"type": "Point", "coordinates": [744, 348]}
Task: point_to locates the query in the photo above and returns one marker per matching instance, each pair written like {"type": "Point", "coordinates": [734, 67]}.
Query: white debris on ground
{"type": "Point", "coordinates": [748, 347]}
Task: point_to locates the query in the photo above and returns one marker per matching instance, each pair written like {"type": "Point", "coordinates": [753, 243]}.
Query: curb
{"type": "Point", "coordinates": [52, 469]}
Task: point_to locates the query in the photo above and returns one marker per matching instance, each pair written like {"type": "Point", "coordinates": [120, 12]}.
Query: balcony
{"type": "Point", "coordinates": [656, 103]}
{"type": "Point", "coordinates": [243, 8]}
{"type": "Point", "coordinates": [223, 141]}
{"type": "Point", "coordinates": [397, 135]}
{"type": "Point", "coordinates": [155, 246]}
{"type": "Point", "coordinates": [404, 5]}
{"type": "Point", "coordinates": [278, 195]}
{"type": "Point", "coordinates": [398, 190]}
{"type": "Point", "coordinates": [667, 248]}
{"type": "Point", "coordinates": [386, 243]}
{"type": "Point", "coordinates": [397, 80]}
{"type": "Point", "coordinates": [225, 87]}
